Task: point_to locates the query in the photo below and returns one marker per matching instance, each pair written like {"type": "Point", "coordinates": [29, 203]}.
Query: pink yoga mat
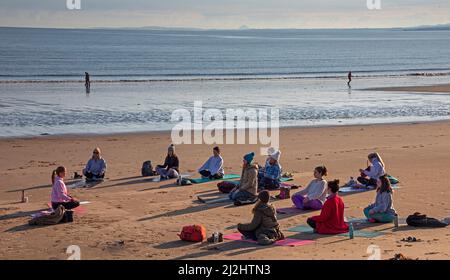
{"type": "Point", "coordinates": [286, 242]}
{"type": "Point", "coordinates": [288, 185]}
{"type": "Point", "coordinates": [289, 210]}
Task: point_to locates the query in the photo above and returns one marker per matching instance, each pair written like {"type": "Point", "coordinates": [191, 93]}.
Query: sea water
{"type": "Point", "coordinates": [139, 77]}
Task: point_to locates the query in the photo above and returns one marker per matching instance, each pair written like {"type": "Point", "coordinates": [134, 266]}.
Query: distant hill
{"type": "Point", "coordinates": [154, 28]}
{"type": "Point", "coordinates": [429, 27]}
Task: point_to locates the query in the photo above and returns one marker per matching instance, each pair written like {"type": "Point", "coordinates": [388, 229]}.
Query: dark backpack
{"type": "Point", "coordinates": [227, 186]}
{"type": "Point", "coordinates": [421, 220]}
{"type": "Point", "coordinates": [147, 169]}
{"type": "Point", "coordinates": [184, 182]}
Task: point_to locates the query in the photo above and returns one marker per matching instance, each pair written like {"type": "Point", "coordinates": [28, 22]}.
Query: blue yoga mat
{"type": "Point", "coordinates": [354, 190]}
{"type": "Point", "coordinates": [356, 233]}
{"type": "Point", "coordinates": [365, 221]}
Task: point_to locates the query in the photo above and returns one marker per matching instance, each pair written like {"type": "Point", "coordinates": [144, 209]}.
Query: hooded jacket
{"type": "Point", "coordinates": [249, 179]}
{"type": "Point", "coordinates": [383, 203]}
{"type": "Point", "coordinates": [264, 222]}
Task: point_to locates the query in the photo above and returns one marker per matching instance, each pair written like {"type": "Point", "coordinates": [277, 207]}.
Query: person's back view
{"type": "Point", "coordinates": [87, 81]}
{"type": "Point", "coordinates": [349, 78]}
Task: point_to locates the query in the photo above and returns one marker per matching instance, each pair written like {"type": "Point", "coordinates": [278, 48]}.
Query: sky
{"type": "Point", "coordinates": [224, 14]}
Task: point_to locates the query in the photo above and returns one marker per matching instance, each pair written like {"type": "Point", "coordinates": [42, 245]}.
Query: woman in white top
{"type": "Point", "coordinates": [314, 195]}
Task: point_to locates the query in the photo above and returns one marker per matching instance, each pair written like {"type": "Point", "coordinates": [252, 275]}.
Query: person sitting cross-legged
{"type": "Point", "coordinates": [213, 167]}
{"type": "Point", "coordinates": [96, 166]}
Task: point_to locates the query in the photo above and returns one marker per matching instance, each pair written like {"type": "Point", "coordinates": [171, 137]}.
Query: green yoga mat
{"type": "Point", "coordinates": [285, 179]}
{"type": "Point", "coordinates": [282, 180]}
{"type": "Point", "coordinates": [393, 180]}
{"type": "Point", "coordinates": [356, 233]}
{"type": "Point", "coordinates": [204, 180]}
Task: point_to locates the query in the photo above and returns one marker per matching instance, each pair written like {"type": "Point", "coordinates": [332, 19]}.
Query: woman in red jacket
{"type": "Point", "coordinates": [331, 219]}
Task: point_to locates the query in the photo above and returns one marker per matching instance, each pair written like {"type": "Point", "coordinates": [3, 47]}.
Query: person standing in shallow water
{"type": "Point", "coordinates": [349, 78]}
{"type": "Point", "coordinates": [87, 82]}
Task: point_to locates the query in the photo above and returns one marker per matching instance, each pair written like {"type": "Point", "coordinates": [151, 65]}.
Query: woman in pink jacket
{"type": "Point", "coordinates": [60, 195]}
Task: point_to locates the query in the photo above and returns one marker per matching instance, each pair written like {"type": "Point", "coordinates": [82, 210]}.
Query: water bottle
{"type": "Point", "coordinates": [179, 179]}
{"type": "Point", "coordinates": [352, 182]}
{"type": "Point", "coordinates": [216, 237]}
{"type": "Point", "coordinates": [396, 221]}
{"type": "Point", "coordinates": [350, 230]}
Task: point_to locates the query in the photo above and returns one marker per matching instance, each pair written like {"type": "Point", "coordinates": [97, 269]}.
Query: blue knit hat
{"type": "Point", "coordinates": [249, 157]}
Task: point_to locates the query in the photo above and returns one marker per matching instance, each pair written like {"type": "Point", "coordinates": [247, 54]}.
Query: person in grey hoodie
{"type": "Point", "coordinates": [369, 176]}
{"type": "Point", "coordinates": [264, 227]}
{"type": "Point", "coordinates": [382, 210]}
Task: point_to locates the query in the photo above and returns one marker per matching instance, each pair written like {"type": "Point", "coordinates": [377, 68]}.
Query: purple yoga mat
{"type": "Point", "coordinates": [286, 242]}
{"type": "Point", "coordinates": [289, 210]}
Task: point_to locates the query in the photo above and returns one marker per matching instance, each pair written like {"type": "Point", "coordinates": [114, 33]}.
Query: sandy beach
{"type": "Point", "coordinates": [131, 217]}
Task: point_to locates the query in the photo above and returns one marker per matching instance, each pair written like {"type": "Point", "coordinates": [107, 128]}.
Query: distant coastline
{"type": "Point", "coordinates": [242, 28]}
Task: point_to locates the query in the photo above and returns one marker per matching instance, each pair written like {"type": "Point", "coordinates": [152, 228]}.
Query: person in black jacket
{"type": "Point", "coordinates": [170, 168]}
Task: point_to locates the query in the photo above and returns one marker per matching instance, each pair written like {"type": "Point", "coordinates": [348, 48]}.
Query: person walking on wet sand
{"type": "Point", "coordinates": [87, 81]}
{"type": "Point", "coordinates": [349, 78]}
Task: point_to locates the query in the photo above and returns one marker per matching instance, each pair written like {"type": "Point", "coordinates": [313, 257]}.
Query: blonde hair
{"type": "Point", "coordinates": [99, 152]}
{"type": "Point", "coordinates": [54, 174]}
{"type": "Point", "coordinates": [377, 156]}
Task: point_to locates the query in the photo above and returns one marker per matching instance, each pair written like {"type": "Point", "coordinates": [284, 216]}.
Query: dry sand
{"type": "Point", "coordinates": [147, 216]}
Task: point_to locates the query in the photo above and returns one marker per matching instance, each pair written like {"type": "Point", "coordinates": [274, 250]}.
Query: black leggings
{"type": "Point", "coordinates": [248, 234]}
{"type": "Point", "coordinates": [67, 205]}
{"type": "Point", "coordinates": [207, 173]}
{"type": "Point", "coordinates": [91, 175]}
{"type": "Point", "coordinates": [311, 223]}
{"type": "Point", "coordinates": [367, 182]}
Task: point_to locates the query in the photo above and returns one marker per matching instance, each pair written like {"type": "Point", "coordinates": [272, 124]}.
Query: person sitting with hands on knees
{"type": "Point", "coordinates": [96, 166]}
{"type": "Point", "coordinates": [213, 167]}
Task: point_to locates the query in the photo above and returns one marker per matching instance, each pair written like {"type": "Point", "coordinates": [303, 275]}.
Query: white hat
{"type": "Point", "coordinates": [270, 151]}
{"type": "Point", "coordinates": [276, 155]}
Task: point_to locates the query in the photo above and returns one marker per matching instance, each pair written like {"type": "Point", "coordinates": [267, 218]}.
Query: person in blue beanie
{"type": "Point", "coordinates": [247, 190]}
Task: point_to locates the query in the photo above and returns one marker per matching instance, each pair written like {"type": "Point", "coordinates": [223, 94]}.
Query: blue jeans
{"type": "Point", "coordinates": [240, 195]}
{"type": "Point", "coordinates": [170, 173]}
{"type": "Point", "coordinates": [269, 184]}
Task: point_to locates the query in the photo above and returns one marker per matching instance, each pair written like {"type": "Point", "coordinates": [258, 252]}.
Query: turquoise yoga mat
{"type": "Point", "coordinates": [356, 233]}
{"type": "Point", "coordinates": [282, 179]}
{"type": "Point", "coordinates": [393, 180]}
{"type": "Point", "coordinates": [204, 180]}
{"type": "Point", "coordinates": [365, 221]}
{"type": "Point", "coordinates": [285, 179]}
{"type": "Point", "coordinates": [353, 190]}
